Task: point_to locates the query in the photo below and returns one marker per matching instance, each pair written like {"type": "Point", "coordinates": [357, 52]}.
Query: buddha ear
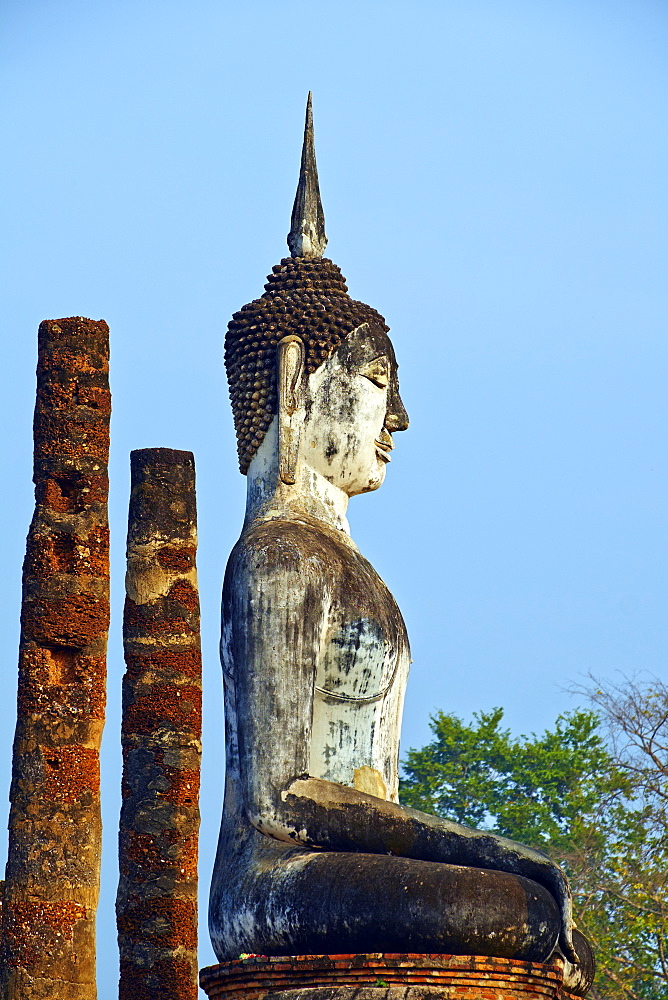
{"type": "Point", "coordinates": [291, 400]}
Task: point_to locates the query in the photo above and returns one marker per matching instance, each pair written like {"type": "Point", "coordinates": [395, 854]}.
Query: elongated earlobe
{"type": "Point", "coordinates": [291, 397]}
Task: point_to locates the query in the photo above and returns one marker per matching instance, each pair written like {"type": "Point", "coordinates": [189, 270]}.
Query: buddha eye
{"type": "Point", "coordinates": [377, 371]}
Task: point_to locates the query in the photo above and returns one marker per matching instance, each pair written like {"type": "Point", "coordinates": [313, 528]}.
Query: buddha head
{"type": "Point", "coordinates": [315, 364]}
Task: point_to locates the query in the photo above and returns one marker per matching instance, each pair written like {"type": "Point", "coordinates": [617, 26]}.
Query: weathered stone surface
{"type": "Point", "coordinates": [52, 876]}
{"type": "Point", "coordinates": [161, 731]}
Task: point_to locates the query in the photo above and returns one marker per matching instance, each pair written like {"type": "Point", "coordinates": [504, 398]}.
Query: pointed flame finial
{"type": "Point", "coordinates": [307, 227]}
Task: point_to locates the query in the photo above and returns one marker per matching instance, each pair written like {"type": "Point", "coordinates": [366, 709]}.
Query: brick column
{"type": "Point", "coordinates": [52, 876]}
{"type": "Point", "coordinates": [157, 893]}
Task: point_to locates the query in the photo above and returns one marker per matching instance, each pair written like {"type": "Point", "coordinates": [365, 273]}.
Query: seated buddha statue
{"type": "Point", "coordinates": [316, 854]}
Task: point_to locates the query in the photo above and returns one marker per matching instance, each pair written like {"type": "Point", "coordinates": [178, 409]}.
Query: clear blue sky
{"type": "Point", "coordinates": [494, 182]}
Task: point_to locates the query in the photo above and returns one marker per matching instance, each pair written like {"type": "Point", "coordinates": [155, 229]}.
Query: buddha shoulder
{"type": "Point", "coordinates": [317, 562]}
{"type": "Point", "coordinates": [282, 545]}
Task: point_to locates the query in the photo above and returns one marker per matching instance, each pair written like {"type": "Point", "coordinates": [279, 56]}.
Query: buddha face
{"type": "Point", "coordinates": [352, 410]}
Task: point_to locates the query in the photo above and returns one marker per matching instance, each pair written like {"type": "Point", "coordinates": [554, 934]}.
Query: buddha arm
{"type": "Point", "coordinates": [276, 603]}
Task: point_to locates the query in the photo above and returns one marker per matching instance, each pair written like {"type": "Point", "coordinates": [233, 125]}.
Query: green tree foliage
{"type": "Point", "coordinates": [627, 912]}
{"type": "Point", "coordinates": [572, 793]}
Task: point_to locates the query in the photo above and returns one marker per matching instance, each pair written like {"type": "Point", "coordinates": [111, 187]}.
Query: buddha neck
{"type": "Point", "coordinates": [311, 495]}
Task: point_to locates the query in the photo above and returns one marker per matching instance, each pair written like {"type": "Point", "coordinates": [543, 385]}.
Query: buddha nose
{"type": "Point", "coordinates": [396, 418]}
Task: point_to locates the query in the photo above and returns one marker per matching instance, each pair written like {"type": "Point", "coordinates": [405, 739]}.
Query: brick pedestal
{"type": "Point", "coordinates": [383, 977]}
